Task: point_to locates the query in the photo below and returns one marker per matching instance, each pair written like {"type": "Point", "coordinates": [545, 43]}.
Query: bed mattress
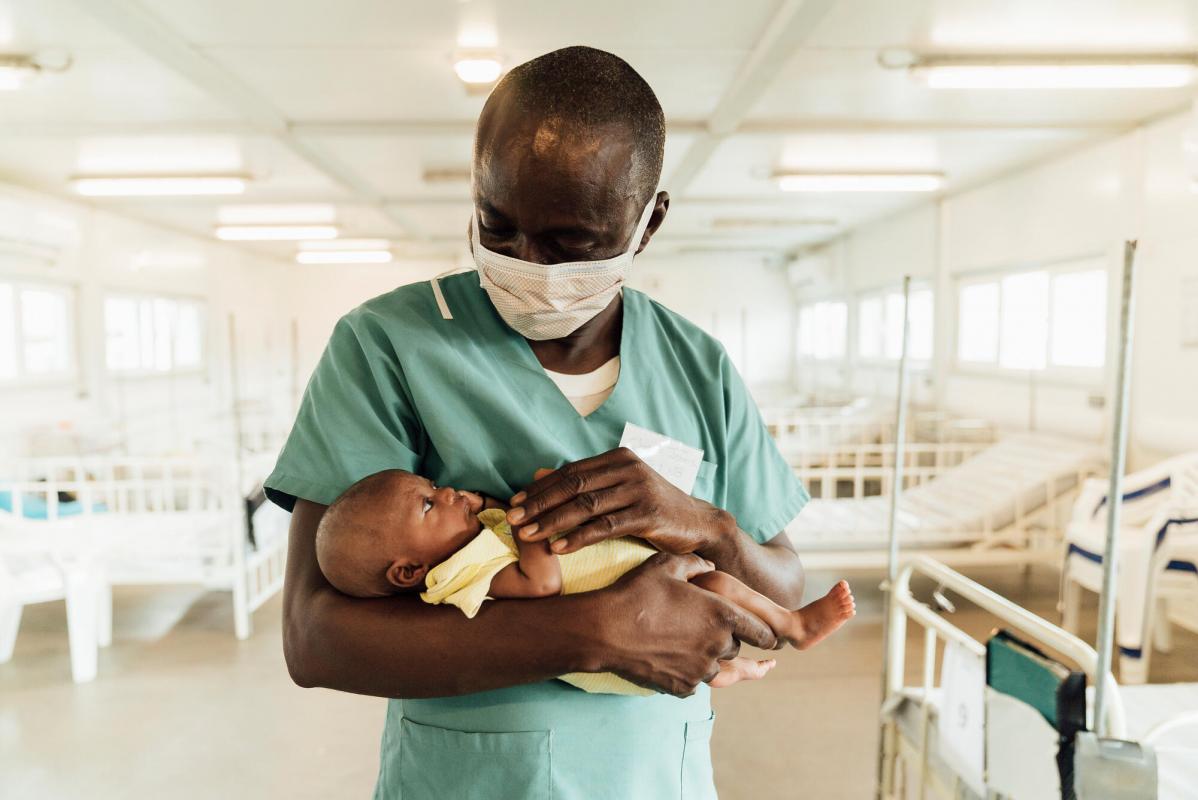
{"type": "Point", "coordinates": [988, 490]}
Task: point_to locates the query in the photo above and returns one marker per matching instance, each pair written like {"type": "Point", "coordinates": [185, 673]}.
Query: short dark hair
{"type": "Point", "coordinates": [589, 88]}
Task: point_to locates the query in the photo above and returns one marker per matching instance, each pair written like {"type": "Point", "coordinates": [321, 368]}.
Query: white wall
{"type": "Point", "coordinates": [102, 252]}
{"type": "Point", "coordinates": [743, 300]}
{"type": "Point", "coordinates": [1081, 205]}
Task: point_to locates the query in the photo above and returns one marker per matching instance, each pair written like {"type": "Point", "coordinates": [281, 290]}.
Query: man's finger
{"type": "Point", "coordinates": [748, 628]}
{"type": "Point", "coordinates": [621, 455]}
{"type": "Point", "coordinates": [682, 568]}
{"type": "Point", "coordinates": [592, 505]}
{"type": "Point", "coordinates": [610, 526]}
{"type": "Point", "coordinates": [570, 486]}
{"type": "Point", "coordinates": [542, 472]}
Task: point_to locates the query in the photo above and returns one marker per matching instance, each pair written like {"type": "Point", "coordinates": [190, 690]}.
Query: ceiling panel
{"type": "Point", "coordinates": [28, 25]}
{"type": "Point", "coordinates": [1059, 25]}
{"type": "Point", "coordinates": [110, 85]}
{"type": "Point", "coordinates": [538, 25]}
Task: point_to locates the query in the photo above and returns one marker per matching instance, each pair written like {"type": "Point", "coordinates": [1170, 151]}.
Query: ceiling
{"type": "Point", "coordinates": [350, 102]}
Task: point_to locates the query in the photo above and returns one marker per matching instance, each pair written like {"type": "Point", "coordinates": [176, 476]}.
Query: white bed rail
{"type": "Point", "coordinates": [866, 470]}
{"type": "Point", "coordinates": [905, 607]}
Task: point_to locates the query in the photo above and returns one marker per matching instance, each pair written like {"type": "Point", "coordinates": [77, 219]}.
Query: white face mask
{"type": "Point", "coordinates": [549, 301]}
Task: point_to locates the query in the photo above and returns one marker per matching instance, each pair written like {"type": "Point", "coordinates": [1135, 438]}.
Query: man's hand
{"type": "Point", "coordinates": [610, 495]}
{"type": "Point", "coordinates": [667, 634]}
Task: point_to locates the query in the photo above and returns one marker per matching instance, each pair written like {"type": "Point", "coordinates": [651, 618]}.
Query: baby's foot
{"type": "Point", "coordinates": [741, 669]}
{"type": "Point", "coordinates": [817, 620]}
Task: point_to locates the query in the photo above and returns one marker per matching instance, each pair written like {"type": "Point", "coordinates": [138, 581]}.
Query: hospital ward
{"type": "Point", "coordinates": [622, 400]}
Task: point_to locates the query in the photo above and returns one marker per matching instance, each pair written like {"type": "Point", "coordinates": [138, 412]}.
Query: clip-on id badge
{"type": "Point", "coordinates": [678, 463]}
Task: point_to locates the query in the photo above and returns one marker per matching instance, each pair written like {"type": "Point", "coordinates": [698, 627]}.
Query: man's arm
{"type": "Point", "coordinates": [402, 647]}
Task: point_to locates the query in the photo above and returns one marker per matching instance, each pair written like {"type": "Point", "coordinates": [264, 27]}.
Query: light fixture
{"type": "Point", "coordinates": [865, 181]}
{"type": "Point", "coordinates": [769, 223]}
{"type": "Point", "coordinates": [343, 257]}
{"type": "Point", "coordinates": [157, 185]}
{"type": "Point", "coordinates": [345, 251]}
{"type": "Point", "coordinates": [17, 70]}
{"type": "Point", "coordinates": [448, 174]}
{"type": "Point", "coordinates": [1046, 71]}
{"type": "Point", "coordinates": [275, 233]}
{"type": "Point", "coordinates": [477, 69]}
{"type": "Point", "coordinates": [277, 214]}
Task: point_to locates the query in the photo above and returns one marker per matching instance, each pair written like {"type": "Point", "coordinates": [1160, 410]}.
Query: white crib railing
{"type": "Point", "coordinates": [866, 470]}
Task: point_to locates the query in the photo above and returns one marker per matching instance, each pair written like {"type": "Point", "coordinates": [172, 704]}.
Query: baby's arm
{"type": "Point", "coordinates": [536, 574]}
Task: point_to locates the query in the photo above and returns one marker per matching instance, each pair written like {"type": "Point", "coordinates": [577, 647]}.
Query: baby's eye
{"type": "Point", "coordinates": [428, 504]}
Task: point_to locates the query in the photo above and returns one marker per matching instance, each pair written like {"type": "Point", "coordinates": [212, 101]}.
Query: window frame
{"type": "Point", "coordinates": [806, 358]}
{"type": "Point", "coordinates": [139, 296]}
{"type": "Point", "coordinates": [1051, 374]}
{"type": "Point", "coordinates": [881, 293]}
{"type": "Point", "coordinates": [22, 377]}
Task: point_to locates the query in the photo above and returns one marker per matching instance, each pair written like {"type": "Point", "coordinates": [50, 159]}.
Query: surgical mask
{"type": "Point", "coordinates": [549, 301]}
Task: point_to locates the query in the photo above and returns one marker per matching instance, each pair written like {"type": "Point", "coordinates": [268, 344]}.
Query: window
{"type": "Point", "coordinates": [1079, 314]}
{"type": "Point", "coordinates": [1035, 320]}
{"type": "Point", "coordinates": [823, 330]}
{"type": "Point", "coordinates": [35, 331]}
{"type": "Point", "coordinates": [153, 334]}
{"type": "Point", "coordinates": [880, 326]}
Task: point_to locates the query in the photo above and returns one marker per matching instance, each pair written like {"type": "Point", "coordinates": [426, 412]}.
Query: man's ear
{"type": "Point", "coordinates": [402, 575]}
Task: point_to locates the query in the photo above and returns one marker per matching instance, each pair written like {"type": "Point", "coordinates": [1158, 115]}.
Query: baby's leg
{"type": "Point", "coordinates": [741, 669]}
{"type": "Point", "coordinates": [802, 628]}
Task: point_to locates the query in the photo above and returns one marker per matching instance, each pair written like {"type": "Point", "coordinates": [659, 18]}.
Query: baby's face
{"type": "Point", "coordinates": [436, 521]}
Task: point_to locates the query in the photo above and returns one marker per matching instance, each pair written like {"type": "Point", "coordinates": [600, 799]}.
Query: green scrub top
{"type": "Point", "coordinates": [464, 402]}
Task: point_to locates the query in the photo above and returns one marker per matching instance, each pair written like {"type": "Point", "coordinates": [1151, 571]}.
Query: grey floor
{"type": "Point", "coordinates": [181, 709]}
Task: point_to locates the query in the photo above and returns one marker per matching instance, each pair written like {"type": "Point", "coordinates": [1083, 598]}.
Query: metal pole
{"type": "Point", "coordinates": [235, 391]}
{"type": "Point", "coordinates": [900, 446]}
{"type": "Point", "coordinates": [1110, 558]}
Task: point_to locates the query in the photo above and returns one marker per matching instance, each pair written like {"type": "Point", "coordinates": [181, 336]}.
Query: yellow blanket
{"type": "Point", "coordinates": [464, 579]}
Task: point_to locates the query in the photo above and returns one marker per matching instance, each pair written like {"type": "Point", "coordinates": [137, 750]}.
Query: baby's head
{"type": "Point", "coordinates": [388, 530]}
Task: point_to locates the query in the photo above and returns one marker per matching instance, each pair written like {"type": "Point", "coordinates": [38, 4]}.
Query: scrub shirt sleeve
{"type": "Point", "coordinates": [763, 492]}
{"type": "Point", "coordinates": [356, 419]}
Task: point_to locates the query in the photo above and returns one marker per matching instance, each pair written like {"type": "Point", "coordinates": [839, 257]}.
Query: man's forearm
{"type": "Point", "coordinates": [774, 569]}
{"type": "Point", "coordinates": [402, 647]}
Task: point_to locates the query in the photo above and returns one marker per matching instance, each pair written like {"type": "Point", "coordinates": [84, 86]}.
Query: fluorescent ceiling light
{"type": "Point", "coordinates": [940, 71]}
{"type": "Point", "coordinates": [14, 77]}
{"type": "Point", "coordinates": [343, 257]}
{"type": "Point", "coordinates": [347, 244]}
{"type": "Point", "coordinates": [17, 70]}
{"type": "Point", "coordinates": [478, 70]}
{"type": "Point", "coordinates": [274, 233]}
{"type": "Point", "coordinates": [768, 223]}
{"type": "Point", "coordinates": [282, 214]}
{"type": "Point", "coordinates": [860, 181]}
{"type": "Point", "coordinates": [157, 185]}
{"type": "Point", "coordinates": [1050, 76]}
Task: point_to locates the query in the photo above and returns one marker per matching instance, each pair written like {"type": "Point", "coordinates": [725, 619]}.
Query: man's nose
{"type": "Point", "coordinates": [527, 249]}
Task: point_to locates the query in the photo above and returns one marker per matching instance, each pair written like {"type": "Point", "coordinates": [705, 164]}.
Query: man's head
{"type": "Point", "coordinates": [567, 155]}
{"type": "Point", "coordinates": [388, 530]}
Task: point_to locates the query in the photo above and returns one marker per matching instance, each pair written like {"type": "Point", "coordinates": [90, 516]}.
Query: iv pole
{"type": "Point", "coordinates": [1110, 557]}
{"type": "Point", "coordinates": [886, 738]}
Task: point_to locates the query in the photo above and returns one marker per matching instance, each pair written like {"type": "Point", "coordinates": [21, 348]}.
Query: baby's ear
{"type": "Point", "coordinates": [406, 576]}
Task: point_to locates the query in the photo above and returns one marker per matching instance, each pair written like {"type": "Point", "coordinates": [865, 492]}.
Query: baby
{"type": "Point", "coordinates": [395, 532]}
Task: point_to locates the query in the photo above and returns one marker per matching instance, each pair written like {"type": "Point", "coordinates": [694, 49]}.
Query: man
{"type": "Point", "coordinates": [481, 378]}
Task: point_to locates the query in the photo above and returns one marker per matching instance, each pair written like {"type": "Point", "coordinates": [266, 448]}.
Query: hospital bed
{"type": "Point", "coordinates": [134, 521]}
{"type": "Point", "coordinates": [965, 503]}
{"type": "Point", "coordinates": [816, 430]}
{"type": "Point", "coordinates": [1158, 562]}
{"type": "Point", "coordinates": [914, 762]}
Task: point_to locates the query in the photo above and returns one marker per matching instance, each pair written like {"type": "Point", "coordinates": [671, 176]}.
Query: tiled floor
{"type": "Point", "coordinates": [183, 710]}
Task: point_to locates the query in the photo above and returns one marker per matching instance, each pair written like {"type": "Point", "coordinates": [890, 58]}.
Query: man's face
{"type": "Point", "coordinates": [548, 195]}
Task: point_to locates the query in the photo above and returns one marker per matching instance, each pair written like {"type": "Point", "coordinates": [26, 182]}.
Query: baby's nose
{"type": "Point", "coordinates": [446, 494]}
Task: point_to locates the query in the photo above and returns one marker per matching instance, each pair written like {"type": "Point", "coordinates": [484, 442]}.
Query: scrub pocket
{"type": "Point", "coordinates": [705, 482]}
{"type": "Point", "coordinates": [697, 783]}
{"type": "Point", "coordinates": [438, 764]}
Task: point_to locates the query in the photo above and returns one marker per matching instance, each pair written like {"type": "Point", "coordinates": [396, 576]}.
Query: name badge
{"type": "Point", "coordinates": [676, 462]}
